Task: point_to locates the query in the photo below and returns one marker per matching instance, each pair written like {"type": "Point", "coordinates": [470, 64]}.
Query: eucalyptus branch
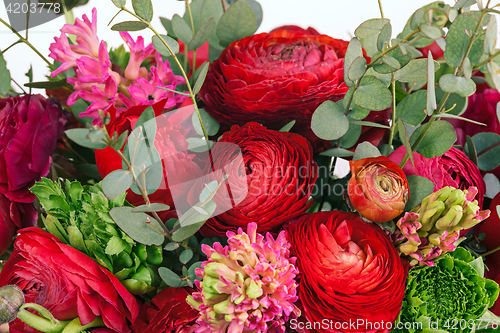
{"type": "Point", "coordinates": [490, 252]}
{"type": "Point", "coordinates": [349, 102]}
{"type": "Point", "coordinates": [380, 7]}
{"type": "Point", "coordinates": [188, 8]}
{"type": "Point", "coordinates": [447, 95]}
{"type": "Point", "coordinates": [183, 72]}
{"type": "Point", "coordinates": [393, 124]}
{"type": "Point", "coordinates": [11, 45]}
{"type": "Point", "coordinates": [487, 60]}
{"type": "Point", "coordinates": [25, 41]}
{"type": "Point", "coordinates": [224, 7]}
{"type": "Point", "coordinates": [384, 52]}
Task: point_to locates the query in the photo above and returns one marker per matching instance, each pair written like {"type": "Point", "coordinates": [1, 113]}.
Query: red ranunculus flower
{"type": "Point", "coordinates": [168, 312]}
{"type": "Point", "coordinates": [491, 229]}
{"type": "Point", "coordinates": [273, 78]}
{"type": "Point", "coordinates": [29, 128]}
{"type": "Point", "coordinates": [171, 144]}
{"type": "Point", "coordinates": [453, 168]}
{"type": "Point", "coordinates": [278, 169]}
{"type": "Point", "coordinates": [298, 30]}
{"type": "Point", "coordinates": [66, 282]}
{"type": "Point", "coordinates": [349, 271]}
{"type": "Point", "coordinates": [378, 188]}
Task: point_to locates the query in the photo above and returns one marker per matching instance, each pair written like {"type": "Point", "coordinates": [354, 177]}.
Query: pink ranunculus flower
{"type": "Point", "coordinates": [453, 168]}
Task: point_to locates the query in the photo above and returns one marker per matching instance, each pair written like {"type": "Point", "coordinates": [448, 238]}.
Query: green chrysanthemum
{"type": "Point", "coordinates": [79, 216]}
{"type": "Point", "coordinates": [451, 291]}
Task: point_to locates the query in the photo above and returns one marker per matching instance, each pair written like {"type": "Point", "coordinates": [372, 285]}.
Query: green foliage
{"type": "Point", "coordinates": [420, 187]}
{"type": "Point", "coordinates": [143, 8]}
{"type": "Point", "coordinates": [82, 136]}
{"type": "Point", "coordinates": [161, 48]}
{"type": "Point", "coordinates": [451, 290]}
{"type": "Point", "coordinates": [129, 26]}
{"type": "Point", "coordinates": [329, 121]}
{"type": "Point", "coordinates": [364, 150]}
{"type": "Point", "coordinates": [372, 94]}
{"type": "Point", "coordinates": [237, 22]}
{"type": "Point", "coordinates": [4, 77]}
{"type": "Point", "coordinates": [80, 216]}
{"type": "Point", "coordinates": [457, 40]}
{"type": "Point", "coordinates": [488, 150]}
{"type": "Point", "coordinates": [437, 141]}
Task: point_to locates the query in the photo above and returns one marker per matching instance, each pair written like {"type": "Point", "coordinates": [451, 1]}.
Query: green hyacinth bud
{"type": "Point", "coordinates": [456, 197]}
{"type": "Point", "coordinates": [431, 214]}
{"type": "Point", "coordinates": [451, 219]}
{"type": "Point", "coordinates": [11, 300]}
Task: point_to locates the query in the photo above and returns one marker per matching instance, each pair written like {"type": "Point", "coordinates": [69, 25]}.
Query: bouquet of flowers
{"type": "Point", "coordinates": [187, 184]}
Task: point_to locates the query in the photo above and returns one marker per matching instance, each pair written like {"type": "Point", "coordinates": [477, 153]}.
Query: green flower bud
{"type": "Point", "coordinates": [456, 197]}
{"type": "Point", "coordinates": [452, 217]}
{"type": "Point", "coordinates": [11, 299]}
{"type": "Point", "coordinates": [253, 289]}
{"type": "Point", "coordinates": [407, 248]}
{"type": "Point", "coordinates": [431, 214]}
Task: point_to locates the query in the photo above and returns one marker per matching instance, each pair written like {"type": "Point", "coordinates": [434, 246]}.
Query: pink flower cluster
{"type": "Point", "coordinates": [248, 286]}
{"type": "Point", "coordinates": [98, 83]}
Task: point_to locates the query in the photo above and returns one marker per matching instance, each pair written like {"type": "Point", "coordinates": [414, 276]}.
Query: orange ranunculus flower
{"type": "Point", "coordinates": [378, 188]}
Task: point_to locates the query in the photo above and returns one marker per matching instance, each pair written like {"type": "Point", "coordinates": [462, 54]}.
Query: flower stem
{"type": "Point", "coordinates": [380, 7]}
{"type": "Point", "coordinates": [393, 123]}
{"type": "Point", "coordinates": [188, 8]}
{"type": "Point", "coordinates": [490, 252]}
{"type": "Point", "coordinates": [25, 41]}
{"type": "Point", "coordinates": [46, 325]}
{"type": "Point", "coordinates": [76, 327]}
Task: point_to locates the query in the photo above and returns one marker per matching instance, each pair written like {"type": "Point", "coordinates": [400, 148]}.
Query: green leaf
{"type": "Point", "coordinates": [192, 269]}
{"type": "Point", "coordinates": [357, 69]}
{"type": "Point", "coordinates": [211, 8]}
{"type": "Point", "coordinates": [490, 37]}
{"type": "Point", "coordinates": [431, 85]}
{"type": "Point", "coordinates": [288, 126]}
{"type": "Point", "coordinates": [182, 29]}
{"type": "Point", "coordinates": [437, 141]}
{"type": "Point", "coordinates": [385, 36]}
{"type": "Point", "coordinates": [169, 277]}
{"type": "Point", "coordinates": [76, 239]}
{"type": "Point", "coordinates": [339, 152]}
{"type": "Point", "coordinates": [431, 31]}
{"type": "Point", "coordinates": [202, 34]}
{"type": "Point", "coordinates": [55, 228]}
{"type": "Point", "coordinates": [138, 226]}
{"type": "Point", "coordinates": [80, 136]}
{"type": "Point", "coordinates": [417, 18]}
{"type": "Point", "coordinates": [185, 256]}
{"type": "Point", "coordinates": [161, 48]}
{"type": "Point", "coordinates": [5, 77]}
{"type": "Point", "coordinates": [171, 246]}
{"type": "Point", "coordinates": [46, 84]}
{"type": "Point", "coordinates": [257, 8]}
{"type": "Point", "coordinates": [420, 187]}
{"type": "Point", "coordinates": [192, 221]}
{"type": "Point", "coordinates": [352, 136]}
{"type": "Point", "coordinates": [493, 71]}
{"type": "Point", "coordinates": [457, 84]}
{"type": "Point", "coordinates": [403, 136]}
{"type": "Point", "coordinates": [117, 182]}
{"type": "Point", "coordinates": [389, 66]}
{"type": "Point", "coordinates": [415, 70]}
{"type": "Point", "coordinates": [237, 22]}
{"type": "Point", "coordinates": [353, 51]}
{"type": "Point", "coordinates": [368, 123]}
{"type": "Point", "coordinates": [411, 109]}
{"type": "Point", "coordinates": [478, 265]}
{"type": "Point", "coordinates": [153, 207]}
{"type": "Point", "coordinates": [364, 150]}
{"type": "Point", "coordinates": [329, 122]}
{"type": "Point", "coordinates": [455, 101]}
{"type": "Point", "coordinates": [372, 94]}
{"type": "Point", "coordinates": [470, 149]}
{"type": "Point", "coordinates": [358, 113]}
{"type": "Point", "coordinates": [370, 27]}
{"type": "Point", "coordinates": [167, 24]}
{"type": "Point", "coordinates": [457, 39]}
{"type": "Point", "coordinates": [201, 77]}
{"type": "Point", "coordinates": [129, 26]}
{"type": "Point", "coordinates": [488, 158]}
{"type": "Point", "coordinates": [143, 8]}
{"type": "Point", "coordinates": [115, 245]}
{"type": "Point", "coordinates": [211, 125]}
{"type": "Point", "coordinates": [119, 3]}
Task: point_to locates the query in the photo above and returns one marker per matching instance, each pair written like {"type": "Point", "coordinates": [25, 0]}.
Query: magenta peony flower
{"type": "Point", "coordinates": [29, 128]}
{"type": "Point", "coordinates": [248, 286]}
{"type": "Point", "coordinates": [453, 168]}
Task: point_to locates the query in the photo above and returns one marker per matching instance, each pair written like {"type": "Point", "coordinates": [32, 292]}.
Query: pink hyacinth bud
{"type": "Point", "coordinates": [248, 285]}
